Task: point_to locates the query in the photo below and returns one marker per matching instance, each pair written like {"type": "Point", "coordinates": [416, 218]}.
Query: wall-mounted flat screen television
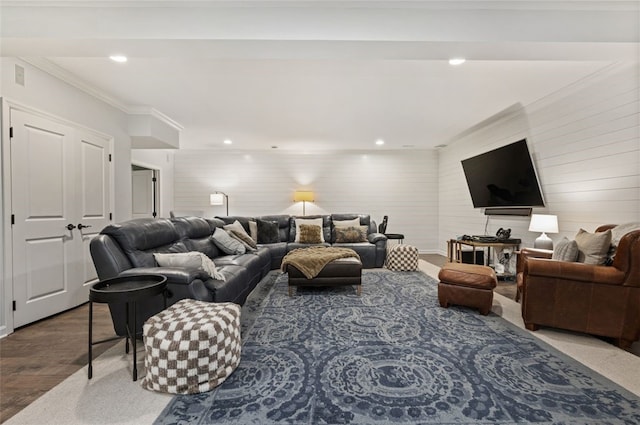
{"type": "Point", "coordinates": [503, 177]}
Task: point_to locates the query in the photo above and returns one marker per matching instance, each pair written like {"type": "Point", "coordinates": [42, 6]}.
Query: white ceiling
{"type": "Point", "coordinates": [310, 75]}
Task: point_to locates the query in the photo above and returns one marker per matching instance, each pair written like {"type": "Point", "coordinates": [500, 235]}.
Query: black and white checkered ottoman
{"type": "Point", "coordinates": [402, 258]}
{"type": "Point", "coordinates": [191, 347]}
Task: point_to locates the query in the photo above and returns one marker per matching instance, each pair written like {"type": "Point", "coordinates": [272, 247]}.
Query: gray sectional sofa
{"type": "Point", "coordinates": [127, 249]}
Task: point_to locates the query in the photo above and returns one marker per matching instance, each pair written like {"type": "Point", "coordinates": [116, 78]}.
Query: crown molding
{"type": "Point", "coordinates": [73, 80]}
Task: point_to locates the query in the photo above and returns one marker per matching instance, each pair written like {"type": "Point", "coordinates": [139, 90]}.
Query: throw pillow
{"type": "Point", "coordinates": [593, 247]}
{"type": "Point", "coordinates": [244, 239]}
{"type": "Point", "coordinates": [189, 260]}
{"type": "Point", "coordinates": [253, 230]}
{"type": "Point", "coordinates": [237, 226]}
{"type": "Point", "coordinates": [310, 234]}
{"type": "Point", "coordinates": [237, 230]}
{"type": "Point", "coordinates": [565, 250]}
{"type": "Point", "coordinates": [226, 243]}
{"type": "Point", "coordinates": [347, 223]}
{"type": "Point", "coordinates": [620, 230]}
{"type": "Point", "coordinates": [310, 222]}
{"type": "Point", "coordinates": [352, 234]}
{"type": "Point", "coordinates": [267, 231]}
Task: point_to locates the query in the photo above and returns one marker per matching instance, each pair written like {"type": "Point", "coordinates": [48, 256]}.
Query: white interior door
{"type": "Point", "coordinates": [94, 203]}
{"type": "Point", "coordinates": [142, 193]}
{"type": "Point", "coordinates": [60, 179]}
{"type": "Point", "coordinates": [43, 199]}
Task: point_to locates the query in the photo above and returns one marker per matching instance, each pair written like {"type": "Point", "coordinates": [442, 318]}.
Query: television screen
{"type": "Point", "coordinates": [503, 177]}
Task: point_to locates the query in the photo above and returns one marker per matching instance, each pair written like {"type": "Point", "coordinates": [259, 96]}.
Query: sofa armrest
{"type": "Point", "coordinates": [526, 253]}
{"type": "Point", "coordinates": [376, 237]}
{"type": "Point", "coordinates": [578, 272]}
{"type": "Point", "coordinates": [173, 275]}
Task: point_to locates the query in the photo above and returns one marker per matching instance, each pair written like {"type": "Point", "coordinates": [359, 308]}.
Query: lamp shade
{"type": "Point", "coordinates": [303, 196]}
{"type": "Point", "coordinates": [544, 223]}
{"type": "Point", "coordinates": [216, 198]}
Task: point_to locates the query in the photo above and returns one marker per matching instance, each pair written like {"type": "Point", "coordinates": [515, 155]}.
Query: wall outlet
{"type": "Point", "coordinates": [20, 75]}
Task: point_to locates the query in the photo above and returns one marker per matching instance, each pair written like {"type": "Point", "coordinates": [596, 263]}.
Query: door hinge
{"type": "Point", "coordinates": [109, 157]}
{"type": "Point", "coordinates": [14, 305]}
{"type": "Point", "coordinates": [153, 179]}
{"type": "Point", "coordinates": [13, 219]}
{"type": "Point", "coordinates": [10, 132]}
{"type": "Point", "coordinates": [110, 216]}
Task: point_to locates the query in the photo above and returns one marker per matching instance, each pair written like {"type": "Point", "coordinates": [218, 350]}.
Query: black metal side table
{"type": "Point", "coordinates": [127, 289]}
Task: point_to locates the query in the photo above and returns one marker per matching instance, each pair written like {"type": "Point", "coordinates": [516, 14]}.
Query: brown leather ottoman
{"type": "Point", "coordinates": [469, 285]}
{"type": "Point", "coordinates": [340, 272]}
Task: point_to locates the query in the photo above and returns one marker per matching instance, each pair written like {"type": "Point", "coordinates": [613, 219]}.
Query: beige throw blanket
{"type": "Point", "coordinates": [310, 261]}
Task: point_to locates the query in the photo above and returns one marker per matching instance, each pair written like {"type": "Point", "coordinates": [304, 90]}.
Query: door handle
{"type": "Point", "coordinates": [70, 226]}
{"type": "Point", "coordinates": [82, 226]}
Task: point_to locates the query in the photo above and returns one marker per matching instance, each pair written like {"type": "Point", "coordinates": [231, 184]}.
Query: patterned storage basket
{"type": "Point", "coordinates": [402, 258]}
{"type": "Point", "coordinates": [191, 347]}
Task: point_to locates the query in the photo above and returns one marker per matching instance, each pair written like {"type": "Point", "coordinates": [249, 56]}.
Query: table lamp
{"type": "Point", "coordinates": [543, 223]}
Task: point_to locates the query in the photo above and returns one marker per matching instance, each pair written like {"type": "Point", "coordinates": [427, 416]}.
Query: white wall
{"type": "Point", "coordinates": [54, 97]}
{"type": "Point", "coordinates": [400, 184]}
{"type": "Point", "coordinates": [586, 148]}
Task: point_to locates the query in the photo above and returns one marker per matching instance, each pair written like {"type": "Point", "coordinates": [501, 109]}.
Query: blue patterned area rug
{"type": "Point", "coordinates": [393, 356]}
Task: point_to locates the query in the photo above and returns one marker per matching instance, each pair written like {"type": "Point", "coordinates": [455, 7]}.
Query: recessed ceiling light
{"type": "Point", "coordinates": [227, 142]}
{"type": "Point", "coordinates": [457, 61]}
{"type": "Point", "coordinates": [379, 142]}
{"type": "Point", "coordinates": [118, 58]}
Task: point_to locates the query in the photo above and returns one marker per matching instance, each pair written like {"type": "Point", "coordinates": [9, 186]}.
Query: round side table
{"type": "Point", "coordinates": [127, 289]}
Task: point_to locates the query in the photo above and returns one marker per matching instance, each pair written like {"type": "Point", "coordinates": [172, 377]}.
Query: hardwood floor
{"type": "Point", "coordinates": [37, 357]}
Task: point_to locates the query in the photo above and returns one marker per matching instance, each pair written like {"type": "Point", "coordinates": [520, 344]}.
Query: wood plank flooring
{"type": "Point", "coordinates": [37, 357]}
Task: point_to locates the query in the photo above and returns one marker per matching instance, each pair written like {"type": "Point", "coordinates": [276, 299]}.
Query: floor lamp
{"type": "Point", "coordinates": [304, 197]}
{"type": "Point", "coordinates": [219, 198]}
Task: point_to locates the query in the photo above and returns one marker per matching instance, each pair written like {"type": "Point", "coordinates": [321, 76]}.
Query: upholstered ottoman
{"type": "Point", "coordinates": [469, 285]}
{"type": "Point", "coordinates": [191, 347]}
{"type": "Point", "coordinates": [402, 258]}
{"type": "Point", "coordinates": [340, 272]}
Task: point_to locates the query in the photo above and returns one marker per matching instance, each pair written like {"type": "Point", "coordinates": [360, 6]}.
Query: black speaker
{"type": "Point", "coordinates": [508, 211]}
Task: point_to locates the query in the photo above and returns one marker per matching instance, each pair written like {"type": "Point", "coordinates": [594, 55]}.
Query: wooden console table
{"type": "Point", "coordinates": [455, 248]}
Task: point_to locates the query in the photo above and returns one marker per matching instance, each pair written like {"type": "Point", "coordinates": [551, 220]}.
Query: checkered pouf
{"type": "Point", "coordinates": [402, 258]}
{"type": "Point", "coordinates": [191, 347]}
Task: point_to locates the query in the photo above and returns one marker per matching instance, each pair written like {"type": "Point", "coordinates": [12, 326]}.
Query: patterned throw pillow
{"type": "Point", "coordinates": [352, 234]}
{"type": "Point", "coordinates": [565, 250]}
{"type": "Point", "coordinates": [310, 234]}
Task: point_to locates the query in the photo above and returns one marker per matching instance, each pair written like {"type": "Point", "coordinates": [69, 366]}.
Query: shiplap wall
{"type": "Point", "coordinates": [585, 142]}
{"type": "Point", "coordinates": [400, 184]}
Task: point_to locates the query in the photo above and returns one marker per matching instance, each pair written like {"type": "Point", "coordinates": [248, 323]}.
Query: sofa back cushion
{"type": "Point", "coordinates": [141, 237]}
{"type": "Point", "coordinates": [196, 232]}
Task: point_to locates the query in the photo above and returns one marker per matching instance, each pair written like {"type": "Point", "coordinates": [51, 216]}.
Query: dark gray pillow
{"type": "Point", "coordinates": [267, 231]}
{"type": "Point", "coordinates": [565, 250]}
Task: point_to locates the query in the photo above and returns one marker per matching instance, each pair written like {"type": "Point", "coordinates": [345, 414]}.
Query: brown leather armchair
{"type": "Point", "coordinates": [594, 299]}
